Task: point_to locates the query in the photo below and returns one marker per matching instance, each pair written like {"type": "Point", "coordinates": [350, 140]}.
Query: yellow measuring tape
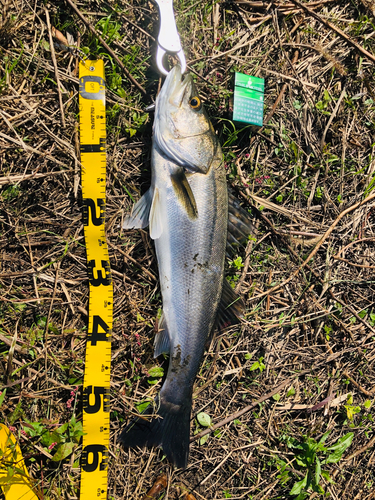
{"type": "Point", "coordinates": [14, 478]}
{"type": "Point", "coordinates": [98, 349]}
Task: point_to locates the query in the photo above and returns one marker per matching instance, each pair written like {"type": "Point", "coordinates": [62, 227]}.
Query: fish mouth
{"type": "Point", "coordinates": [175, 87]}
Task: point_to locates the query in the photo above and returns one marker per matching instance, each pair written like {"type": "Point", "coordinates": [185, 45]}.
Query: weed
{"type": "Point", "coordinates": [323, 104]}
{"type": "Point", "coordinates": [62, 440]}
{"type": "Point", "coordinates": [204, 420]}
{"type": "Point", "coordinates": [156, 373]}
{"type": "Point", "coordinates": [258, 365]}
{"type": "Point", "coordinates": [309, 456]}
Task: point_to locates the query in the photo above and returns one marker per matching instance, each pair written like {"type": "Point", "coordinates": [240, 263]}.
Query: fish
{"type": "Point", "coordinates": [190, 216]}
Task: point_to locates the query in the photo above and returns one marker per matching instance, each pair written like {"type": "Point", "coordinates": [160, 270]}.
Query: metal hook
{"type": "Point", "coordinates": [168, 39]}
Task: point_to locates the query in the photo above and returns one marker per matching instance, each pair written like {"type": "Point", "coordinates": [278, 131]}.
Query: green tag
{"type": "Point", "coordinates": [249, 82]}
{"type": "Point", "coordinates": [248, 99]}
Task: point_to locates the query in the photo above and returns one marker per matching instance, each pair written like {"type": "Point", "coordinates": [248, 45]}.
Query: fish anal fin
{"type": "Point", "coordinates": [139, 217]}
{"type": "Point", "coordinates": [184, 193]}
{"type": "Point", "coordinates": [156, 216]}
{"type": "Point", "coordinates": [162, 343]}
{"type": "Point", "coordinates": [231, 307]}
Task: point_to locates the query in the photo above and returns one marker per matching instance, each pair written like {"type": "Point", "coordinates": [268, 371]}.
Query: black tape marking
{"type": "Point", "coordinates": [98, 392]}
{"type": "Point", "coordinates": [94, 148]}
{"type": "Point", "coordinates": [89, 205]}
{"type": "Point", "coordinates": [100, 279]}
{"type": "Point", "coordinates": [95, 96]}
{"type": "Point", "coordinates": [95, 450]}
{"type": "Point", "coordinates": [96, 336]}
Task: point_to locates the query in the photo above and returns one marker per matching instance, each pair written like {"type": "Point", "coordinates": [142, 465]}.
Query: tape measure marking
{"type": "Point", "coordinates": [94, 460]}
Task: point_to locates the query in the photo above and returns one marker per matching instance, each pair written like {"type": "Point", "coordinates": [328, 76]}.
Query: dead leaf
{"type": "Point", "coordinates": [159, 485]}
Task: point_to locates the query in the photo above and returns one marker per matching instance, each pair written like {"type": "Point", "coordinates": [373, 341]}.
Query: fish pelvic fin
{"type": "Point", "coordinates": [169, 430]}
{"type": "Point", "coordinates": [156, 216]}
{"type": "Point", "coordinates": [139, 217]}
{"type": "Point", "coordinates": [184, 193]}
{"type": "Point", "coordinates": [162, 342]}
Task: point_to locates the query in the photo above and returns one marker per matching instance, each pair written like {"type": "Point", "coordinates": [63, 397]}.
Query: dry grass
{"type": "Point", "coordinates": [310, 300]}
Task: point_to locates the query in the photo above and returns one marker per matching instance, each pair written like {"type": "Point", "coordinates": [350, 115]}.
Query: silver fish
{"type": "Point", "coordinates": [186, 209]}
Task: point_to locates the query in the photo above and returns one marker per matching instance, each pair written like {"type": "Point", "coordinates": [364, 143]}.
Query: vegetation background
{"type": "Point", "coordinates": [300, 368]}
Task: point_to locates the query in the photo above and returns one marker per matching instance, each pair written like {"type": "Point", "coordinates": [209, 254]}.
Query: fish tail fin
{"type": "Point", "coordinates": [170, 430]}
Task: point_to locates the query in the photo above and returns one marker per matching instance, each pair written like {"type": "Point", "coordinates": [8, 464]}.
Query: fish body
{"type": "Point", "coordinates": [186, 208]}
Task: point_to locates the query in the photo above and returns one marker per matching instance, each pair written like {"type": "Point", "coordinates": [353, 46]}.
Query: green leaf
{"type": "Point", "coordinates": [77, 432]}
{"type": "Point", "coordinates": [63, 428]}
{"type": "Point", "coordinates": [204, 419]}
{"type": "Point", "coordinates": [326, 476]}
{"type": "Point", "coordinates": [362, 313]}
{"type": "Point", "coordinates": [276, 397]}
{"type": "Point", "coordinates": [323, 439]}
{"type": "Point", "coordinates": [339, 448]}
{"type": "Point", "coordinates": [297, 487]}
{"type": "Point", "coordinates": [302, 460]}
{"type": "Point", "coordinates": [294, 443]}
{"type": "Point", "coordinates": [156, 371]}
{"type": "Point", "coordinates": [302, 495]}
{"type": "Point", "coordinates": [204, 439]}
{"type": "Point", "coordinates": [333, 458]}
{"type": "Point", "coordinates": [63, 451]}
{"type": "Point", "coordinates": [343, 443]}
{"type": "Point", "coordinates": [291, 392]}
{"type": "Point", "coordinates": [2, 396]}
{"type": "Point", "coordinates": [142, 406]}
{"type": "Point", "coordinates": [318, 471]}
{"type": "Point", "coordinates": [33, 429]}
{"type": "Point", "coordinates": [351, 411]}
{"type": "Point", "coordinates": [367, 404]}
{"type": "Point", "coordinates": [47, 438]}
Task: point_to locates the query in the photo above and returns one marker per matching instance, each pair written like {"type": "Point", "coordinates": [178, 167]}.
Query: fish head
{"type": "Point", "coordinates": [182, 129]}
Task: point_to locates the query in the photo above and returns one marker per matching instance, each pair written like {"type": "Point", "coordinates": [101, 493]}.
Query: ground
{"type": "Point", "coordinates": [297, 377]}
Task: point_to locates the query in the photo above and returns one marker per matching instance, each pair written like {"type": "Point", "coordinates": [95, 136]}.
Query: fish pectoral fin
{"type": "Point", "coordinates": [156, 217]}
{"type": "Point", "coordinates": [231, 307]}
{"type": "Point", "coordinates": [240, 226]}
{"type": "Point", "coordinates": [162, 342]}
{"type": "Point", "coordinates": [184, 193]}
{"type": "Point", "coordinates": [139, 217]}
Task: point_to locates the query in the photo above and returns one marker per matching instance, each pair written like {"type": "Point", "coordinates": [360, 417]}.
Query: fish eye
{"type": "Point", "coordinates": [195, 103]}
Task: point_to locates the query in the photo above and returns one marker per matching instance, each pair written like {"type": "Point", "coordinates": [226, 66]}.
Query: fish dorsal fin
{"type": "Point", "coordinates": [184, 193]}
{"type": "Point", "coordinates": [231, 307]}
{"type": "Point", "coordinates": [162, 343]}
{"type": "Point", "coordinates": [139, 216]}
{"type": "Point", "coordinates": [240, 226]}
{"type": "Point", "coordinates": [156, 216]}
